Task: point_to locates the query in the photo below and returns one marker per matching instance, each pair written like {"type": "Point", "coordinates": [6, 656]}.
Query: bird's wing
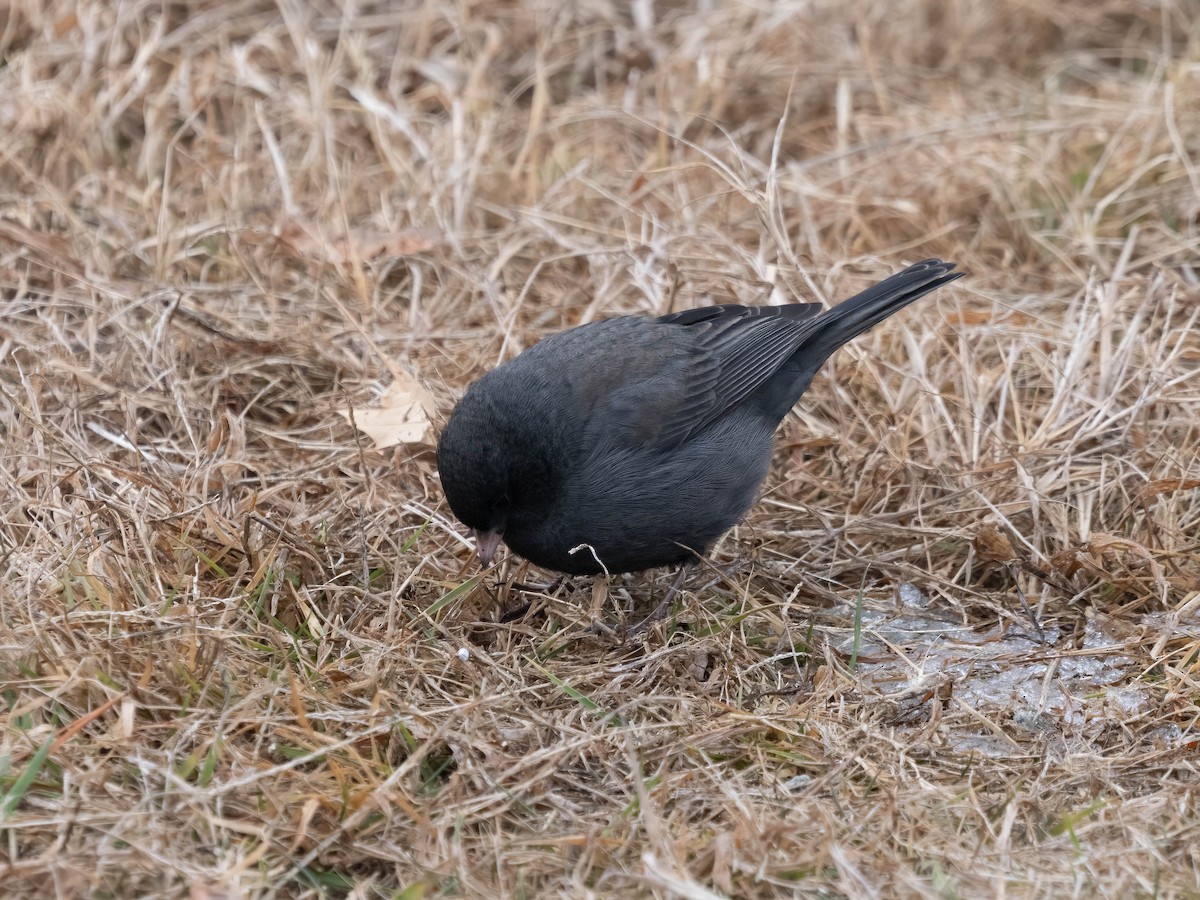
{"type": "Point", "coordinates": [731, 351]}
{"type": "Point", "coordinates": [679, 373]}
{"type": "Point", "coordinates": [672, 376]}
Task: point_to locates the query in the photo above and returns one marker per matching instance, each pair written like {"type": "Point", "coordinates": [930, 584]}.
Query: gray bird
{"type": "Point", "coordinates": [634, 442]}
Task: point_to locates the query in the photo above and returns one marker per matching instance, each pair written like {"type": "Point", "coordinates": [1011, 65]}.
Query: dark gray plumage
{"type": "Point", "coordinates": [633, 443]}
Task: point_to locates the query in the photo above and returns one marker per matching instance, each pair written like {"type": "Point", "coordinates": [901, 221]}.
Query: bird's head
{"type": "Point", "coordinates": [500, 467]}
{"type": "Point", "coordinates": [474, 469]}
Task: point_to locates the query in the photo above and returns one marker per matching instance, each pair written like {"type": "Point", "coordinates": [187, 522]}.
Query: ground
{"type": "Point", "coordinates": [244, 651]}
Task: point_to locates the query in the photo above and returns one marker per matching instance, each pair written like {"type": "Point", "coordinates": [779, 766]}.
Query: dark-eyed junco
{"type": "Point", "coordinates": [634, 442]}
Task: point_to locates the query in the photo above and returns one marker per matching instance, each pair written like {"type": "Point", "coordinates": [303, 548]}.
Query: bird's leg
{"type": "Point", "coordinates": [537, 587]}
{"type": "Point", "coordinates": [664, 606]}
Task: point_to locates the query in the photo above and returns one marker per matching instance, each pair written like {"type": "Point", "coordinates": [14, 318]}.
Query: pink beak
{"type": "Point", "coordinates": [486, 543]}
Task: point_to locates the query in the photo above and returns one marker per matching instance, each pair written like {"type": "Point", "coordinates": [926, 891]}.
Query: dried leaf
{"type": "Point", "coordinates": [1114, 560]}
{"type": "Point", "coordinates": [992, 545]}
{"type": "Point", "coordinates": [1066, 561]}
{"type": "Point", "coordinates": [404, 415]}
{"type": "Point", "coordinates": [1151, 490]}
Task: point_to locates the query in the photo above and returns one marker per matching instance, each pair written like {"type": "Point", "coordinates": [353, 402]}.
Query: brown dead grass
{"type": "Point", "coordinates": [236, 654]}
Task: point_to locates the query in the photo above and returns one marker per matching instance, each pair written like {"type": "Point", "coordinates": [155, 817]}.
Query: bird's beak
{"type": "Point", "coordinates": [486, 543]}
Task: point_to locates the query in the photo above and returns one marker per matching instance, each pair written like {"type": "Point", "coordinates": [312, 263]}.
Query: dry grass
{"type": "Point", "coordinates": [952, 653]}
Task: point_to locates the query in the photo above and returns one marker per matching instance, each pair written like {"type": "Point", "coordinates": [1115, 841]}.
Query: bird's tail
{"type": "Point", "coordinates": [852, 317]}
{"type": "Point", "coordinates": [845, 321]}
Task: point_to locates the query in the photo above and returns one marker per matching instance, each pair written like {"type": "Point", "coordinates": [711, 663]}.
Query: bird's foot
{"type": "Point", "coordinates": [664, 606]}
